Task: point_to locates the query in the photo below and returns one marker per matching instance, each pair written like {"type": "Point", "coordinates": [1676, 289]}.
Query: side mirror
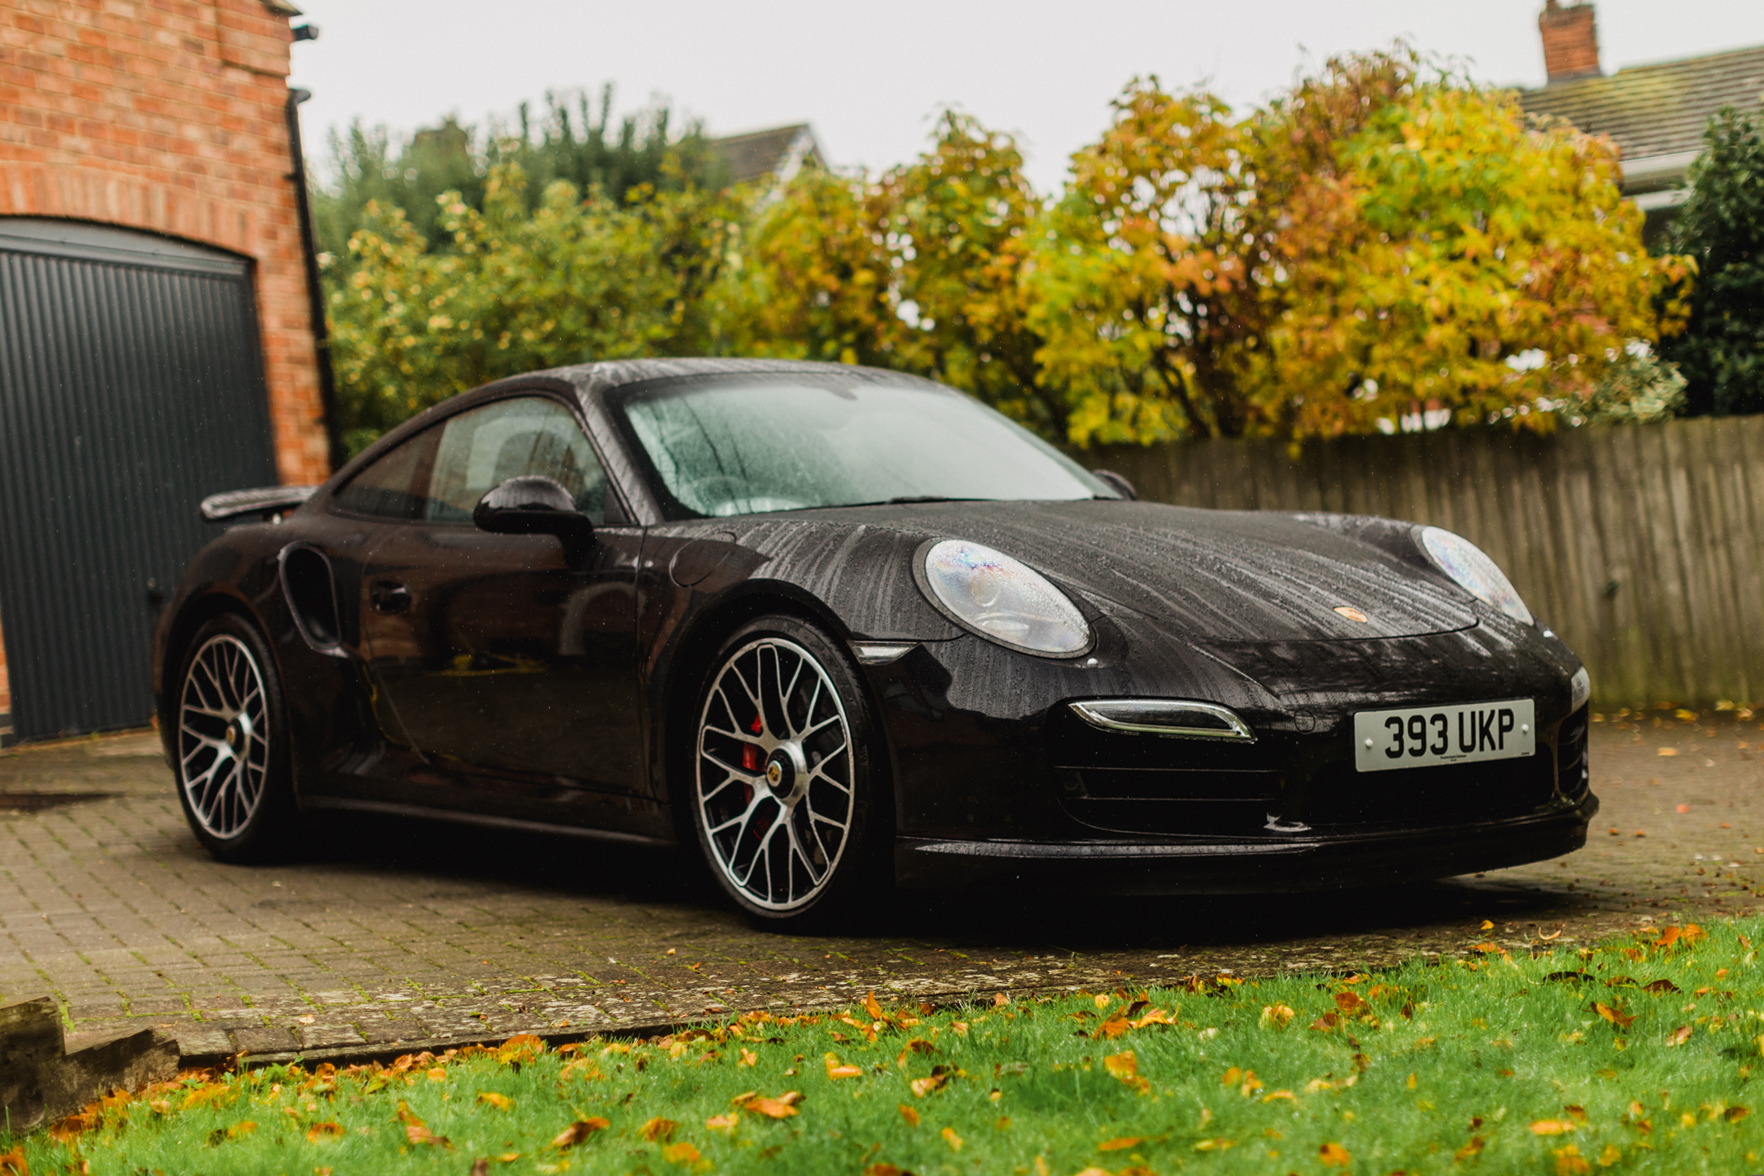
{"type": "Point", "coordinates": [1116, 483]}
{"type": "Point", "coordinates": [534, 505]}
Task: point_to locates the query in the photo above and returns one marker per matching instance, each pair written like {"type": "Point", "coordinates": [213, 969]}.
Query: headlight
{"type": "Point", "coordinates": [1477, 574]}
{"type": "Point", "coordinates": [998, 598]}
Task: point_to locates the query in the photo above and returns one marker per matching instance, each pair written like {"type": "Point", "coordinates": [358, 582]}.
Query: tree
{"type": "Point", "coordinates": [1721, 226]}
{"type": "Point", "coordinates": [563, 143]}
{"type": "Point", "coordinates": [578, 278]}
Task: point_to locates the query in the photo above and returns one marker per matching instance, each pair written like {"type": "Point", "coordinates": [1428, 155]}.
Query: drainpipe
{"type": "Point", "coordinates": [321, 336]}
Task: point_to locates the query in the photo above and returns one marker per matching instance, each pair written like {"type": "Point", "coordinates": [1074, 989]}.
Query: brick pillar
{"type": "Point", "coordinates": [1570, 41]}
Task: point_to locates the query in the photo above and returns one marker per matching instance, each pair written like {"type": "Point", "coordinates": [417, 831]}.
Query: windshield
{"type": "Point", "coordinates": [732, 445]}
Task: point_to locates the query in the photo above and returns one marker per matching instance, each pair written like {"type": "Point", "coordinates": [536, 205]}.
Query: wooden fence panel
{"type": "Point", "coordinates": [1639, 544]}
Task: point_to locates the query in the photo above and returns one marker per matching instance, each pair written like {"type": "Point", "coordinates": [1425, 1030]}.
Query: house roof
{"type": "Point", "coordinates": [1656, 112]}
{"type": "Point", "coordinates": [778, 153]}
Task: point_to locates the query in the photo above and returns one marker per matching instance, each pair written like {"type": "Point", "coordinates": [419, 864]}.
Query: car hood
{"type": "Point", "coordinates": [1215, 576]}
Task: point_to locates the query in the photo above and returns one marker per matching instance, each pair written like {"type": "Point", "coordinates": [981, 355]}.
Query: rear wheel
{"type": "Point", "coordinates": [785, 793]}
{"type": "Point", "coordinates": [232, 750]}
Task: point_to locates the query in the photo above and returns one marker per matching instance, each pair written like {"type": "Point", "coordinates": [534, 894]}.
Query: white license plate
{"type": "Point", "coordinates": [1420, 737]}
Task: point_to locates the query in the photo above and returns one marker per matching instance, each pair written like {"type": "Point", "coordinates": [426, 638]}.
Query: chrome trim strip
{"type": "Point", "coordinates": [1579, 689]}
{"type": "Point", "coordinates": [880, 653]}
{"type": "Point", "coordinates": [1164, 716]}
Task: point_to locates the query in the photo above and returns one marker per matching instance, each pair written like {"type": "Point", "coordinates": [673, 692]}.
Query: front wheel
{"type": "Point", "coordinates": [785, 793]}
{"type": "Point", "coordinates": [233, 773]}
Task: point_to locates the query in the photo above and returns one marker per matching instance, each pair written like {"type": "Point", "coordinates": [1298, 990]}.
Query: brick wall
{"type": "Point", "coordinates": [169, 116]}
{"type": "Point", "coordinates": [1570, 41]}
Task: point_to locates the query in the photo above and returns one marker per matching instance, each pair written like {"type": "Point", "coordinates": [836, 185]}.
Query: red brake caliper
{"type": "Point", "coordinates": [750, 757]}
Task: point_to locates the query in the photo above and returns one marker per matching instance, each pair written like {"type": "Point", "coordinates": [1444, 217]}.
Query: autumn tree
{"type": "Point", "coordinates": [1721, 226]}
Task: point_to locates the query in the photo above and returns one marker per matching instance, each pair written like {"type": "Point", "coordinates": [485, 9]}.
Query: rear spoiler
{"type": "Point", "coordinates": [263, 502]}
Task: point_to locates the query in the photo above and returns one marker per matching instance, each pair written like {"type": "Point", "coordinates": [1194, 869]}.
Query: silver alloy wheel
{"type": "Point", "coordinates": [774, 788]}
{"type": "Point", "coordinates": [223, 735]}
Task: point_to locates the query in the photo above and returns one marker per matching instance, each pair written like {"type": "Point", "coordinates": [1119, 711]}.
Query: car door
{"type": "Point", "coordinates": [507, 653]}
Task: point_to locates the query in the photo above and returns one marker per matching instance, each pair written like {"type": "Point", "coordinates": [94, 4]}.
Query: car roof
{"type": "Point", "coordinates": [593, 378]}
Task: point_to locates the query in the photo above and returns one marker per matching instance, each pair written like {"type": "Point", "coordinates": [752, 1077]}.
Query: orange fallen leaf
{"type": "Point", "coordinates": [910, 1115]}
{"type": "Point", "coordinates": [12, 1163]}
{"type": "Point", "coordinates": [1123, 1143]}
{"type": "Point", "coordinates": [1487, 948]}
{"type": "Point", "coordinates": [1285, 1094]}
{"type": "Point", "coordinates": [1219, 1144]}
{"type": "Point", "coordinates": [721, 1122]}
{"type": "Point", "coordinates": [835, 1069]}
{"type": "Point", "coordinates": [326, 1130]}
{"type": "Point", "coordinates": [1552, 1127]}
{"type": "Point", "coordinates": [782, 1107]}
{"type": "Point", "coordinates": [748, 1058]}
{"type": "Point", "coordinates": [1112, 1028]}
{"type": "Point", "coordinates": [657, 1129]}
{"type": "Point", "coordinates": [1668, 751]}
{"type": "Point", "coordinates": [1276, 1015]}
{"type": "Point", "coordinates": [951, 1138]}
{"type": "Point", "coordinates": [884, 1170]}
{"type": "Point", "coordinates": [680, 1153]}
{"type": "Point", "coordinates": [1125, 1067]}
{"type": "Point", "coordinates": [1334, 1155]}
{"type": "Point", "coordinates": [1577, 1113]}
{"type": "Point", "coordinates": [520, 1047]}
{"type": "Point", "coordinates": [1735, 1114]}
{"type": "Point", "coordinates": [1616, 1016]}
{"type": "Point", "coordinates": [500, 1101]}
{"type": "Point", "coordinates": [1474, 1147]}
{"type": "Point", "coordinates": [480, 1167]}
{"type": "Point", "coordinates": [1569, 1162]}
{"type": "Point", "coordinates": [579, 1131]}
{"type": "Point", "coordinates": [1326, 1022]}
{"type": "Point", "coordinates": [939, 1076]}
{"type": "Point", "coordinates": [1350, 1004]}
{"type": "Point", "coordinates": [1680, 1035]}
{"type": "Point", "coordinates": [1231, 1077]}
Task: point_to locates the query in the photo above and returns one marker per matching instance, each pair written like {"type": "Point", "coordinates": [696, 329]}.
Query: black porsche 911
{"type": "Point", "coordinates": [838, 628]}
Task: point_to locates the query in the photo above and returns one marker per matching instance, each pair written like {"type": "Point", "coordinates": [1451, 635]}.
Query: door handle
{"type": "Point", "coordinates": [389, 596]}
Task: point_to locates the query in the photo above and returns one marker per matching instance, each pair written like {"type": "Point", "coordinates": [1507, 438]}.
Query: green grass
{"type": "Point", "coordinates": [1499, 1064]}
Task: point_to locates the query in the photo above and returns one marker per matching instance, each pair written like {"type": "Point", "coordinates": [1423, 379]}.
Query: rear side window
{"type": "Point", "coordinates": [506, 439]}
{"type": "Point", "coordinates": [388, 488]}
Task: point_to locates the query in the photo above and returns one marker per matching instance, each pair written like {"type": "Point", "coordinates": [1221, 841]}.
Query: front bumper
{"type": "Point", "coordinates": [1298, 863]}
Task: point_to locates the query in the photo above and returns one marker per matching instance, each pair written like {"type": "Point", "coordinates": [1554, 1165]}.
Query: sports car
{"type": "Point", "coordinates": [833, 629]}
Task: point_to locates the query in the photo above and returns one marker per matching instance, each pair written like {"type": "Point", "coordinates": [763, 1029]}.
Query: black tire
{"type": "Point", "coordinates": [786, 760]}
{"type": "Point", "coordinates": [232, 759]}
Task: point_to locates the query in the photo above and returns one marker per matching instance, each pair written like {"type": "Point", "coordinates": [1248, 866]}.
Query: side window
{"type": "Point", "coordinates": [509, 438]}
{"type": "Point", "coordinates": [388, 488]}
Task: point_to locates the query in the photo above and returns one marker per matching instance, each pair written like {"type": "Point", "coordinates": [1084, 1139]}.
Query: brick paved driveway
{"type": "Point", "coordinates": [406, 933]}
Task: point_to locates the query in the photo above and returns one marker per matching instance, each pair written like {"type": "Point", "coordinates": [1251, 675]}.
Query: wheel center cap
{"type": "Point", "coordinates": [785, 769]}
{"type": "Point", "coordinates": [232, 735]}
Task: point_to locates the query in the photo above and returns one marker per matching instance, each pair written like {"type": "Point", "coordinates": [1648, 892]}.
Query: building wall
{"type": "Point", "coordinates": [169, 116]}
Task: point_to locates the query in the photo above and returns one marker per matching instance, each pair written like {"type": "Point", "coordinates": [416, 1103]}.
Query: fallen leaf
{"type": "Point", "coordinates": [884, 1170]}
{"type": "Point", "coordinates": [837, 1070]}
{"type": "Point", "coordinates": [1570, 1163]}
{"type": "Point", "coordinates": [1668, 751]}
{"type": "Point", "coordinates": [951, 1138]}
{"type": "Point", "coordinates": [1611, 1155]}
{"type": "Point", "coordinates": [1123, 1143]}
{"type": "Point", "coordinates": [1349, 1003]}
{"type": "Point", "coordinates": [1125, 1067]}
{"type": "Point", "coordinates": [782, 1107]}
{"type": "Point", "coordinates": [1552, 1127]}
{"type": "Point", "coordinates": [326, 1130]}
{"type": "Point", "coordinates": [1660, 987]}
{"type": "Point", "coordinates": [748, 1058]}
{"type": "Point", "coordinates": [520, 1047]}
{"type": "Point", "coordinates": [481, 1166]}
{"type": "Point", "coordinates": [1219, 1144]}
{"type": "Point", "coordinates": [1474, 1147]}
{"type": "Point", "coordinates": [1231, 1077]}
{"type": "Point", "coordinates": [1577, 1113]}
{"type": "Point", "coordinates": [1278, 1016]}
{"type": "Point", "coordinates": [910, 1115]}
{"type": "Point", "coordinates": [1334, 1155]}
{"type": "Point", "coordinates": [1615, 1016]}
{"type": "Point", "coordinates": [1735, 1114]}
{"type": "Point", "coordinates": [13, 1162]}
{"type": "Point", "coordinates": [680, 1153]}
{"type": "Point", "coordinates": [872, 1007]}
{"type": "Point", "coordinates": [658, 1129]}
{"type": "Point", "coordinates": [721, 1123]}
{"type": "Point", "coordinates": [938, 1077]}
{"type": "Point", "coordinates": [1487, 948]}
{"type": "Point", "coordinates": [579, 1131]}
{"type": "Point", "coordinates": [1680, 1035]}
{"type": "Point", "coordinates": [500, 1101]}
{"type": "Point", "coordinates": [1487, 925]}
{"type": "Point", "coordinates": [1285, 1094]}
{"type": "Point", "coordinates": [1326, 1022]}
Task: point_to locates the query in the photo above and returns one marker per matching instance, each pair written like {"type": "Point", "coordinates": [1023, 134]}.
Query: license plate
{"type": "Point", "coordinates": [1421, 737]}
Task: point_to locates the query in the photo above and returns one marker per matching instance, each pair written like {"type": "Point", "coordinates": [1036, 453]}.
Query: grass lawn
{"type": "Point", "coordinates": [1638, 1055]}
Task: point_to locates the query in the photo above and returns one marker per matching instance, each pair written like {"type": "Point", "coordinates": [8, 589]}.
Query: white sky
{"type": "Point", "coordinates": [870, 77]}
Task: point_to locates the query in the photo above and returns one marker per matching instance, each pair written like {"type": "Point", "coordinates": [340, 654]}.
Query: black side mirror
{"type": "Point", "coordinates": [534, 505]}
{"type": "Point", "coordinates": [1116, 483]}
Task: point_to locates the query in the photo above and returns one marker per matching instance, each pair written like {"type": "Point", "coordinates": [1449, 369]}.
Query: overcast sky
{"type": "Point", "coordinates": [870, 77]}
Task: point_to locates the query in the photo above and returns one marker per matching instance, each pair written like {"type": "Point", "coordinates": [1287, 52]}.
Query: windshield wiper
{"type": "Point", "coordinates": [910, 498]}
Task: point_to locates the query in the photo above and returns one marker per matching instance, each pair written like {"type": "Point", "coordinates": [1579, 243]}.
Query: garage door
{"type": "Point", "coordinates": [131, 386]}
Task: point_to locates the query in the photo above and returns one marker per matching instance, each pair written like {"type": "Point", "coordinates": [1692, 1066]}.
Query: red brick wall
{"type": "Point", "coordinates": [1570, 41]}
{"type": "Point", "coordinates": [169, 116]}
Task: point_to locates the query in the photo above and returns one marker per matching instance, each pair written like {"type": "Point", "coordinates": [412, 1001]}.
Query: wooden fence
{"type": "Point", "coordinates": [1640, 544]}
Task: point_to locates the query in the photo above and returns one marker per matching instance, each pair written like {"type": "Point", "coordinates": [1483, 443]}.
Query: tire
{"type": "Point", "coordinates": [787, 789]}
{"type": "Point", "coordinates": [232, 763]}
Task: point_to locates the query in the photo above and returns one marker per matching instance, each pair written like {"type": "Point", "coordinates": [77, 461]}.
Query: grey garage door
{"type": "Point", "coordinates": [131, 386]}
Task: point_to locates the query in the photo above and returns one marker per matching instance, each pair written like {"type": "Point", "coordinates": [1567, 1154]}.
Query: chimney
{"type": "Point", "coordinates": [1570, 41]}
